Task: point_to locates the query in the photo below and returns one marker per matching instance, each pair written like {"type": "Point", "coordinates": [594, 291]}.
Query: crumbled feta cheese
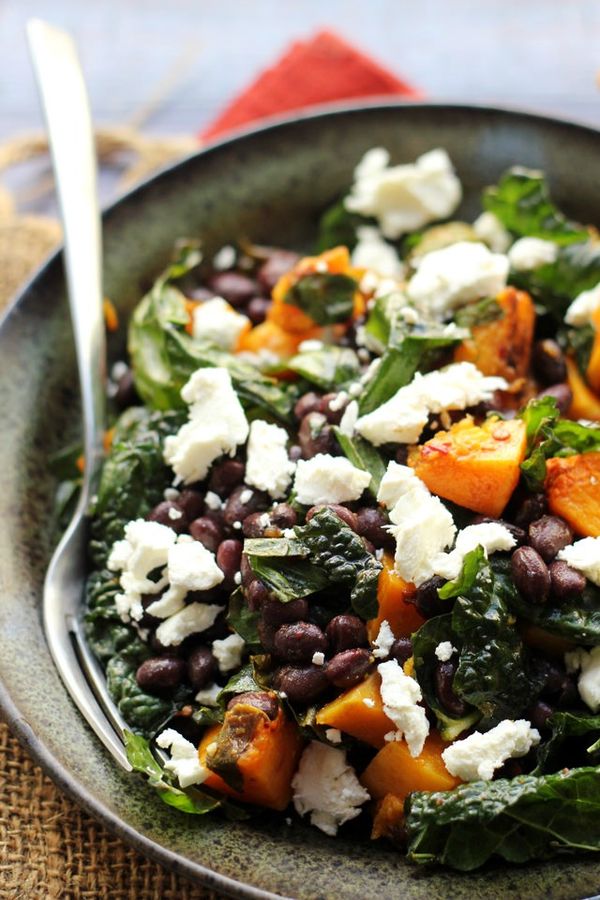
{"type": "Point", "coordinates": [217, 321]}
{"type": "Point", "coordinates": [476, 758]}
{"type": "Point", "coordinates": [400, 695]}
{"type": "Point", "coordinates": [444, 651]}
{"type": "Point", "coordinates": [228, 652]}
{"type": "Point", "coordinates": [334, 735]}
{"type": "Point", "coordinates": [246, 496]}
{"type": "Point", "coordinates": [213, 501]}
{"type": "Point", "coordinates": [384, 640]}
{"type": "Point", "coordinates": [192, 619]}
{"type": "Point", "coordinates": [326, 786]}
{"type": "Point", "coordinates": [318, 658]}
{"type": "Point", "coordinates": [237, 578]}
{"type": "Point", "coordinates": [174, 514]}
{"type": "Point", "coordinates": [192, 566]}
{"type": "Point", "coordinates": [144, 548]}
{"type": "Point", "coordinates": [406, 197]}
{"type": "Point", "coordinates": [401, 419]}
{"type": "Point", "coordinates": [588, 683]}
{"type": "Point", "coordinates": [171, 493]}
{"type": "Point", "coordinates": [529, 252]}
{"type": "Point", "coordinates": [449, 278]}
{"type": "Point", "coordinates": [397, 481]}
{"type": "Point", "coordinates": [369, 703]}
{"type": "Point", "coordinates": [184, 762]}
{"type": "Point", "coordinates": [312, 345]}
{"type": "Point", "coordinates": [349, 419]}
{"type": "Point", "coordinates": [339, 401]}
{"type": "Point", "coordinates": [583, 555]}
{"type": "Point", "coordinates": [372, 252]}
{"type": "Point", "coordinates": [583, 307]}
{"type": "Point", "coordinates": [224, 258]}
{"type": "Point", "coordinates": [237, 525]}
{"type": "Point", "coordinates": [409, 314]}
{"type": "Point", "coordinates": [217, 424]}
{"type": "Point", "coordinates": [492, 536]}
{"type": "Point", "coordinates": [268, 466]}
{"type": "Point", "coordinates": [329, 479]}
{"type": "Point", "coordinates": [118, 370]}
{"type": "Point", "coordinates": [492, 232]}
{"type": "Point", "coordinates": [208, 695]}
{"type": "Point", "coordinates": [171, 602]}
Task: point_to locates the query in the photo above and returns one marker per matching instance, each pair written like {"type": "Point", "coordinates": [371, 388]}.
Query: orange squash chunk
{"type": "Point", "coordinates": [265, 752]}
{"type": "Point", "coordinates": [585, 403]}
{"type": "Point", "coordinates": [472, 465]}
{"type": "Point", "coordinates": [270, 336]}
{"type": "Point", "coordinates": [349, 713]}
{"type": "Point", "coordinates": [573, 491]}
{"type": "Point", "coordinates": [395, 771]}
{"type": "Point", "coordinates": [592, 373]}
{"type": "Point", "coordinates": [388, 820]}
{"type": "Point", "coordinates": [393, 595]}
{"type": "Point", "coordinates": [503, 346]}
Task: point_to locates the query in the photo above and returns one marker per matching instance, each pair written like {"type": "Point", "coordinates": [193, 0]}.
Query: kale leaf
{"type": "Point", "coordinates": [555, 285]}
{"type": "Point", "coordinates": [481, 312]}
{"type": "Point", "coordinates": [243, 621]}
{"type": "Point", "coordinates": [517, 820]}
{"type": "Point", "coordinates": [363, 455]}
{"type": "Point", "coordinates": [105, 632]}
{"type": "Point", "coordinates": [337, 227]}
{"type": "Point", "coordinates": [325, 298]}
{"type": "Point", "coordinates": [327, 368]}
{"type": "Point", "coordinates": [574, 737]}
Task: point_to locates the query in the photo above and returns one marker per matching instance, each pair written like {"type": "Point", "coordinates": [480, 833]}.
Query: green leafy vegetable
{"type": "Point", "coordinates": [517, 820]}
{"type": "Point", "coordinates": [521, 201]}
{"type": "Point", "coordinates": [482, 312]}
{"type": "Point", "coordinates": [363, 455]}
{"type": "Point", "coordinates": [571, 743]}
{"type": "Point", "coordinates": [105, 632]}
{"type": "Point", "coordinates": [288, 579]}
{"type": "Point", "coordinates": [248, 678]}
{"type": "Point", "coordinates": [242, 619]}
{"type": "Point", "coordinates": [326, 298]}
{"type": "Point", "coordinates": [468, 575]}
{"type": "Point", "coordinates": [327, 368]}
{"type": "Point", "coordinates": [555, 285]}
{"type": "Point", "coordinates": [337, 227]}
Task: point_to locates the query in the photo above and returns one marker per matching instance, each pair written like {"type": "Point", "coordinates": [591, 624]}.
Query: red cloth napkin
{"type": "Point", "coordinates": [322, 69]}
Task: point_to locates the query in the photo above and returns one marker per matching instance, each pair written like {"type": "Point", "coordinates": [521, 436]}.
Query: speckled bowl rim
{"type": "Point", "coordinates": [9, 711]}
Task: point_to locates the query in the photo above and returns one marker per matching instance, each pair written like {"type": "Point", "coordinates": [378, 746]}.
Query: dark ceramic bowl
{"type": "Point", "coordinates": [270, 185]}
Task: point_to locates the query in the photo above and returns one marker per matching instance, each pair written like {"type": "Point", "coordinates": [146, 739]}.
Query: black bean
{"type": "Point", "coordinates": [563, 395]}
{"type": "Point", "coordinates": [443, 679]}
{"type": "Point", "coordinates": [533, 507]}
{"type": "Point", "coordinates": [370, 523]}
{"type": "Point", "coordinates": [402, 455]}
{"type": "Point", "coordinates": [264, 700]}
{"type": "Point", "coordinates": [234, 287]}
{"type": "Point", "coordinates": [257, 310]}
{"type": "Point", "coordinates": [192, 503]}
{"type": "Point", "coordinates": [342, 512]}
{"type": "Point", "coordinates": [225, 476]}
{"type": "Point", "coordinates": [160, 674]}
{"type": "Point", "coordinates": [315, 435]}
{"type": "Point", "coordinates": [297, 642]}
{"type": "Point", "coordinates": [201, 667]}
{"type": "Point", "coordinates": [243, 501]}
{"type": "Point", "coordinates": [519, 534]}
{"type": "Point", "coordinates": [266, 635]}
{"type": "Point", "coordinates": [346, 632]}
{"type": "Point", "coordinates": [253, 526]}
{"type": "Point", "coordinates": [257, 593]}
{"type": "Point", "coordinates": [369, 547]}
{"type": "Point", "coordinates": [276, 613]}
{"type": "Point", "coordinates": [426, 598]}
{"type": "Point", "coordinates": [401, 650]}
{"type": "Point", "coordinates": [538, 714]}
{"type": "Point", "coordinates": [309, 402]}
{"type": "Point", "coordinates": [283, 515]}
{"type": "Point", "coordinates": [200, 294]}
{"type": "Point", "coordinates": [530, 574]}
{"type": "Point", "coordinates": [548, 362]}
{"type": "Point", "coordinates": [548, 535]}
{"type": "Point", "coordinates": [565, 582]}
{"type": "Point", "coordinates": [301, 684]}
{"type": "Point", "coordinates": [169, 513]}
{"type": "Point", "coordinates": [126, 394]}
{"type": "Point", "coordinates": [333, 416]}
{"type": "Point", "coordinates": [347, 668]}
{"type": "Point", "coordinates": [229, 557]}
{"type": "Point", "coordinates": [280, 262]}
{"type": "Point", "coordinates": [207, 531]}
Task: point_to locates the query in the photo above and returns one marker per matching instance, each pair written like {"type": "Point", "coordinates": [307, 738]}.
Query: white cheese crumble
{"type": "Point", "coordinates": [492, 232]}
{"type": "Point", "coordinates": [492, 536]}
{"type": "Point", "coordinates": [192, 619]}
{"type": "Point", "coordinates": [405, 197]}
{"type": "Point", "coordinates": [224, 258]}
{"type": "Point", "coordinates": [444, 651]}
{"type": "Point", "coordinates": [530, 252]}
{"type": "Point", "coordinates": [449, 278]}
{"type": "Point", "coordinates": [401, 419]}
{"type": "Point", "coordinates": [326, 786]}
{"type": "Point", "coordinates": [184, 762]}
{"type": "Point", "coordinates": [588, 684]}
{"type": "Point", "coordinates": [213, 501]}
{"type": "Point", "coordinates": [318, 658]}
{"type": "Point", "coordinates": [207, 696]}
{"type": "Point", "coordinates": [192, 566]}
{"type": "Point", "coordinates": [384, 640]}
{"type": "Point", "coordinates": [583, 307]}
{"type": "Point", "coordinates": [349, 419]}
{"type": "Point", "coordinates": [583, 555]}
{"type": "Point", "coordinates": [310, 346]}
{"type": "Point", "coordinates": [400, 695]}
{"type": "Point", "coordinates": [329, 479]}
{"type": "Point", "coordinates": [228, 652]}
{"type": "Point", "coordinates": [217, 321]}
{"type": "Point", "coordinates": [334, 735]}
{"type": "Point", "coordinates": [217, 424]}
{"type": "Point", "coordinates": [246, 496]}
{"type": "Point", "coordinates": [268, 466]}
{"type": "Point", "coordinates": [144, 548]}
{"type": "Point", "coordinates": [476, 758]}
{"type": "Point", "coordinates": [372, 252]}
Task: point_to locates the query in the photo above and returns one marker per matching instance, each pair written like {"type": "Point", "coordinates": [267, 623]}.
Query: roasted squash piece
{"type": "Point", "coordinates": [393, 596]}
{"type": "Point", "coordinates": [395, 771]}
{"type": "Point", "coordinates": [502, 346]}
{"type": "Point", "coordinates": [388, 819]}
{"type": "Point", "coordinates": [585, 403]}
{"type": "Point", "coordinates": [573, 491]}
{"type": "Point", "coordinates": [349, 712]}
{"type": "Point", "coordinates": [252, 757]}
{"type": "Point", "coordinates": [472, 465]}
{"type": "Point", "coordinates": [270, 336]}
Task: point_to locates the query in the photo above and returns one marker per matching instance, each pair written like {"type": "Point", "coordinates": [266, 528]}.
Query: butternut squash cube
{"type": "Point", "coordinates": [573, 491]}
{"type": "Point", "coordinates": [349, 712]}
{"type": "Point", "coordinates": [585, 403]}
{"type": "Point", "coordinates": [394, 596]}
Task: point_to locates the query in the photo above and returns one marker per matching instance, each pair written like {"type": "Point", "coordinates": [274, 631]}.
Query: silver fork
{"type": "Point", "coordinates": [69, 125]}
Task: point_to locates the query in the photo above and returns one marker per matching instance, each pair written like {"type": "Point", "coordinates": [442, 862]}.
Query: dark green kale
{"type": "Point", "coordinates": [337, 227]}
{"type": "Point", "coordinates": [105, 632]}
{"type": "Point", "coordinates": [517, 820]}
{"type": "Point", "coordinates": [555, 285]}
{"type": "Point", "coordinates": [481, 312]}
{"type": "Point", "coordinates": [573, 741]}
{"type": "Point", "coordinates": [243, 621]}
{"type": "Point", "coordinates": [327, 368]}
{"type": "Point", "coordinates": [327, 299]}
{"type": "Point", "coordinates": [363, 455]}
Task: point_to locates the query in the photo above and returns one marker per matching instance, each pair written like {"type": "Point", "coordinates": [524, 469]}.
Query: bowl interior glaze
{"type": "Point", "coordinates": [269, 185]}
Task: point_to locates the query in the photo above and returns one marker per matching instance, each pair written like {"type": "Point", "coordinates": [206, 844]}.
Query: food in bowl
{"type": "Point", "coordinates": [345, 549]}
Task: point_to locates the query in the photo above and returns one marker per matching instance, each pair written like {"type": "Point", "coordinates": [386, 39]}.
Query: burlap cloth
{"type": "Point", "coordinates": [49, 848]}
